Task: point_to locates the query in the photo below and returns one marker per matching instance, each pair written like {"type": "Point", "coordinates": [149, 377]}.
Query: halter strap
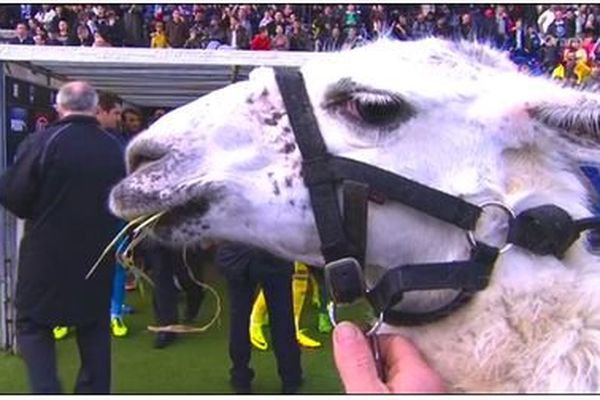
{"type": "Point", "coordinates": [543, 230]}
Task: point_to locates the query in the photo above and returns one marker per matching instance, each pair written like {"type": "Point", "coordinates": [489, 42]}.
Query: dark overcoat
{"type": "Point", "coordinates": [60, 183]}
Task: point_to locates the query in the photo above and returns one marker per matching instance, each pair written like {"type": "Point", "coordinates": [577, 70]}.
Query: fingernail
{"type": "Point", "coordinates": [345, 332]}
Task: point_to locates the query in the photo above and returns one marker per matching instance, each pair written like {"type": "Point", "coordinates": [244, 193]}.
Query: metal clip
{"type": "Point", "coordinates": [344, 280]}
{"type": "Point", "coordinates": [376, 350]}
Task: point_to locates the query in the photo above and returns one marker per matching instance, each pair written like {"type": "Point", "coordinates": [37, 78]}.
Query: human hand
{"type": "Point", "coordinates": [405, 368]}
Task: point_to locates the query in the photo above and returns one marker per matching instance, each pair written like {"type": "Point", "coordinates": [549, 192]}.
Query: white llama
{"type": "Point", "coordinates": [457, 117]}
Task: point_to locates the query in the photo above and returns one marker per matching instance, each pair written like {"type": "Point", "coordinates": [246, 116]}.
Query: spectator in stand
{"type": "Point", "coordinates": [570, 23]}
{"type": "Point", "coordinates": [244, 14]}
{"type": "Point", "coordinates": [22, 35]}
{"type": "Point", "coordinates": [46, 15]}
{"type": "Point", "coordinates": [352, 39]}
{"type": "Point", "coordinates": [33, 24]}
{"type": "Point", "coordinates": [321, 26]}
{"type": "Point", "coordinates": [100, 14]}
{"type": "Point", "coordinates": [503, 27]}
{"type": "Point", "coordinates": [351, 16]}
{"type": "Point", "coordinates": [546, 18]}
{"type": "Point", "coordinates": [101, 38]}
{"type": "Point", "coordinates": [550, 53]}
{"type": "Point", "coordinates": [278, 19]}
{"type": "Point", "coordinates": [580, 19]}
{"type": "Point", "coordinates": [53, 38]}
{"type": "Point", "coordinates": [288, 11]}
{"type": "Point", "coordinates": [217, 35]}
{"type": "Point", "coordinates": [115, 29]}
{"type": "Point", "coordinates": [199, 24]}
{"type": "Point", "coordinates": [237, 35]}
{"type": "Point", "coordinates": [401, 29]}
{"type": "Point", "coordinates": [532, 43]}
{"type": "Point", "coordinates": [334, 43]}
{"type": "Point", "coordinates": [261, 40]}
{"type": "Point", "coordinates": [133, 26]}
{"type": "Point", "coordinates": [376, 31]}
{"type": "Point", "coordinates": [158, 38]}
{"type": "Point", "coordinates": [517, 38]}
{"type": "Point", "coordinates": [558, 27]}
{"type": "Point", "coordinates": [8, 17]}
{"type": "Point", "coordinates": [87, 19]}
{"type": "Point", "coordinates": [496, 25]}
{"type": "Point", "coordinates": [177, 30]}
{"type": "Point", "coordinates": [487, 27]}
{"type": "Point", "coordinates": [442, 30]}
{"type": "Point", "coordinates": [334, 15]}
{"type": "Point", "coordinates": [194, 41]}
{"type": "Point", "coordinates": [39, 39]}
{"type": "Point", "coordinates": [591, 25]}
{"type": "Point", "coordinates": [84, 38]}
{"type": "Point", "coordinates": [63, 13]}
{"type": "Point", "coordinates": [581, 54]}
{"type": "Point", "coordinates": [377, 13]}
{"type": "Point", "coordinates": [421, 29]}
{"type": "Point", "coordinates": [465, 28]}
{"type": "Point", "coordinates": [64, 34]}
{"type": "Point", "coordinates": [588, 42]}
{"type": "Point", "coordinates": [299, 40]}
{"type": "Point", "coordinates": [280, 41]}
{"type": "Point", "coordinates": [267, 19]}
{"type": "Point", "coordinates": [25, 11]}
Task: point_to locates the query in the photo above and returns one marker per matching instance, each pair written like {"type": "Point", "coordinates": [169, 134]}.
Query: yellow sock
{"type": "Point", "coordinates": [259, 310]}
{"type": "Point", "coordinates": [257, 320]}
{"type": "Point", "coordinates": [299, 288]}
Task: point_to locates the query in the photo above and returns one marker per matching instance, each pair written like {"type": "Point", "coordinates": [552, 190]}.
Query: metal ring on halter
{"type": "Point", "coordinates": [373, 330]}
{"type": "Point", "coordinates": [509, 211]}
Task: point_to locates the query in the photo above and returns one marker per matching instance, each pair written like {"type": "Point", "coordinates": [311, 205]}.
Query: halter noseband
{"type": "Point", "coordinates": [543, 230]}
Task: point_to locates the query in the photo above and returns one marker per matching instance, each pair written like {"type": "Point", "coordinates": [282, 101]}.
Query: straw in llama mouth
{"type": "Point", "coordinates": [141, 227]}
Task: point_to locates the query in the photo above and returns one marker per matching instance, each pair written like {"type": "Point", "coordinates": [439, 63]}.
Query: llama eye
{"type": "Point", "coordinates": [378, 110]}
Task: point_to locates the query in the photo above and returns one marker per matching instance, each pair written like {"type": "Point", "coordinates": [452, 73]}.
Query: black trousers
{"type": "Point", "coordinates": [278, 294]}
{"type": "Point", "coordinates": [37, 347]}
{"type": "Point", "coordinates": [165, 263]}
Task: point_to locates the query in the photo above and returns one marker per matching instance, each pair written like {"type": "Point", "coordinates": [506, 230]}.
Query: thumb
{"type": "Point", "coordinates": [354, 360]}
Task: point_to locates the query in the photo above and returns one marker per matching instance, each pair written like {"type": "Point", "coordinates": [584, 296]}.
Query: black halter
{"type": "Point", "coordinates": [543, 230]}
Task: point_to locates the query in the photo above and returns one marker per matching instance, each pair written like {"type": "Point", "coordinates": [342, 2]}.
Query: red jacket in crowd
{"type": "Point", "coordinates": [260, 43]}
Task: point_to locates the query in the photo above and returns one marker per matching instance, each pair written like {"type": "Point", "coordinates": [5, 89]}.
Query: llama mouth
{"type": "Point", "coordinates": [181, 214]}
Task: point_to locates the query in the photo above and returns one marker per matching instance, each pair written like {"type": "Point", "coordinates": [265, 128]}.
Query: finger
{"type": "Point", "coordinates": [354, 360]}
{"type": "Point", "coordinates": [408, 372]}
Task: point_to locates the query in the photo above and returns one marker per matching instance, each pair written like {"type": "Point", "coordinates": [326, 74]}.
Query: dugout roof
{"type": "Point", "coordinates": [143, 76]}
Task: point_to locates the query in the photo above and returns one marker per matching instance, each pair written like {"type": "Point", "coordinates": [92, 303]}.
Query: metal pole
{"type": "Point", "coordinates": [3, 217]}
{"type": "Point", "coordinates": [8, 240]}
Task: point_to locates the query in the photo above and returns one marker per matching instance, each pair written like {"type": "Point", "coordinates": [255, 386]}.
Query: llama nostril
{"type": "Point", "coordinates": [138, 161]}
{"type": "Point", "coordinates": [144, 153]}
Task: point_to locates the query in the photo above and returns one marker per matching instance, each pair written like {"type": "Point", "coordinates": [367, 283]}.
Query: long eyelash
{"type": "Point", "coordinates": [375, 98]}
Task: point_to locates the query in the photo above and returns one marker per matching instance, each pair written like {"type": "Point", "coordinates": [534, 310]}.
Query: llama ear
{"type": "Point", "coordinates": [575, 124]}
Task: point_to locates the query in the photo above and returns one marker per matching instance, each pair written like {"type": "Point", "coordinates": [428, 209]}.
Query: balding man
{"type": "Point", "coordinates": [59, 183]}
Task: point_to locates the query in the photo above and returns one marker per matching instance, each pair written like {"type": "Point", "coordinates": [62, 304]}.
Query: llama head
{"type": "Point", "coordinates": [454, 116]}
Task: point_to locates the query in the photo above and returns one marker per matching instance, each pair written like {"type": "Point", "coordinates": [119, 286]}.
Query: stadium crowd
{"type": "Point", "coordinates": [561, 40]}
